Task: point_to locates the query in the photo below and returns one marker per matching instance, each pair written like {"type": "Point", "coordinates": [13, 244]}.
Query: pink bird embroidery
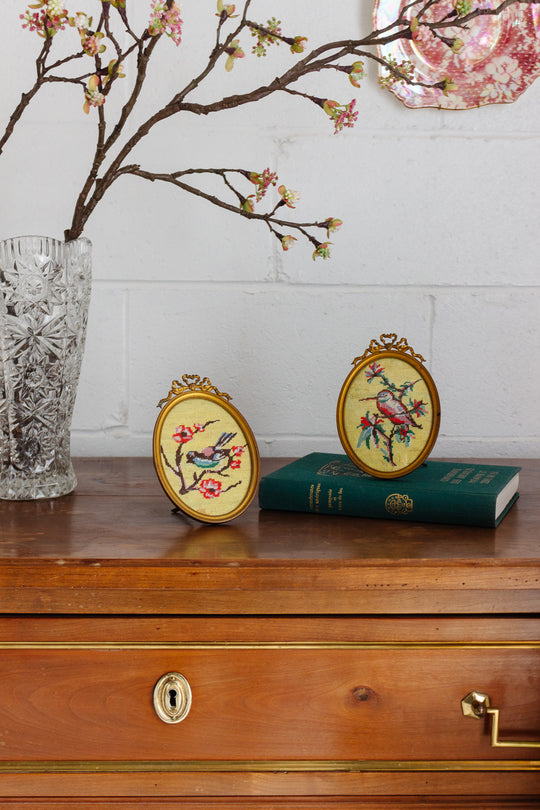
{"type": "Point", "coordinates": [391, 407]}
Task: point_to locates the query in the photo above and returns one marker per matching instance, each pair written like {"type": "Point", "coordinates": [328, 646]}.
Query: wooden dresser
{"type": "Point", "coordinates": [327, 658]}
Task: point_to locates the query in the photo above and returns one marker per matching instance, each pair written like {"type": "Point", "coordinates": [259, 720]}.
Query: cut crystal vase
{"type": "Point", "coordinates": [44, 297]}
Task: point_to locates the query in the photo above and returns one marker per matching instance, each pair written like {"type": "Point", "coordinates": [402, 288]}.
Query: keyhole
{"type": "Point", "coordinates": [172, 697]}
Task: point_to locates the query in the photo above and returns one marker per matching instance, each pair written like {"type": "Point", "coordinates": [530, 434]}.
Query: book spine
{"type": "Point", "coordinates": [394, 500]}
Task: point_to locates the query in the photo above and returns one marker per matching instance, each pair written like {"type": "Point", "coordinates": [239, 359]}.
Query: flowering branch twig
{"type": "Point", "coordinates": [48, 18]}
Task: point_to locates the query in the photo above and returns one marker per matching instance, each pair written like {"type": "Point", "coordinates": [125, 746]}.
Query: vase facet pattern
{"type": "Point", "coordinates": [45, 287]}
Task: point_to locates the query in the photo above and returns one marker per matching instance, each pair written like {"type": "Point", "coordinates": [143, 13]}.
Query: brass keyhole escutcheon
{"type": "Point", "coordinates": [172, 697]}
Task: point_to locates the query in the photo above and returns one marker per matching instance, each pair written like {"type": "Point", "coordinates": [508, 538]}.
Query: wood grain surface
{"type": "Point", "coordinates": [114, 546]}
{"type": "Point", "coordinates": [327, 656]}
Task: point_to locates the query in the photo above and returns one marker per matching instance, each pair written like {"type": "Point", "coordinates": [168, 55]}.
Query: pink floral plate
{"type": "Point", "coordinates": [499, 59]}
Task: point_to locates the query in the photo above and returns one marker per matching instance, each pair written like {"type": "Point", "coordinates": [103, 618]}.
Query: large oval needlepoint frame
{"type": "Point", "coordinates": [388, 411]}
{"type": "Point", "coordinates": [205, 454]}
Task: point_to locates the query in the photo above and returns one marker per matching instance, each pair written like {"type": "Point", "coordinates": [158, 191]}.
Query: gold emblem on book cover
{"type": "Point", "coordinates": [397, 504]}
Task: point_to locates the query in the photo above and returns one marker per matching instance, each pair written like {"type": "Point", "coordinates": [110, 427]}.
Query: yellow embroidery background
{"type": "Point", "coordinates": [399, 372]}
{"type": "Point", "coordinates": [199, 410]}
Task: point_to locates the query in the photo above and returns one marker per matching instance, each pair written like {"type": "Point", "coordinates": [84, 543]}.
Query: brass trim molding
{"type": "Point", "coordinates": [274, 766]}
{"type": "Point", "coordinates": [270, 645]}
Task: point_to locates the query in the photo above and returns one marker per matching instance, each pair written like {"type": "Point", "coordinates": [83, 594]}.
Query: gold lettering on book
{"type": "Point", "coordinates": [397, 504]}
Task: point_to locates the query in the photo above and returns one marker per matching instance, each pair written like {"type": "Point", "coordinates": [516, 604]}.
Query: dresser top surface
{"type": "Point", "coordinates": [114, 546]}
{"type": "Point", "coordinates": [119, 512]}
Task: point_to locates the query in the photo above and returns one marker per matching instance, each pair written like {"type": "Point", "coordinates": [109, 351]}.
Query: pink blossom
{"type": "Point", "coordinates": [322, 250]}
{"type": "Point", "coordinates": [182, 434]}
{"type": "Point", "coordinates": [248, 204]}
{"type": "Point", "coordinates": [165, 20]}
{"type": "Point", "coordinates": [51, 18]}
{"type": "Point", "coordinates": [263, 181]}
{"type": "Point", "coordinates": [288, 196]}
{"type": "Point", "coordinates": [343, 115]}
{"type": "Point", "coordinates": [210, 488]}
{"type": "Point", "coordinates": [91, 44]}
{"type": "Point", "coordinates": [332, 225]}
{"type": "Point", "coordinates": [93, 95]}
{"type": "Point", "coordinates": [298, 45]}
{"type": "Point", "coordinates": [225, 10]}
{"type": "Point", "coordinates": [356, 73]}
{"type": "Point", "coordinates": [234, 51]}
{"type": "Point", "coordinates": [374, 370]}
{"type": "Point", "coordinates": [287, 241]}
{"type": "Point", "coordinates": [503, 69]}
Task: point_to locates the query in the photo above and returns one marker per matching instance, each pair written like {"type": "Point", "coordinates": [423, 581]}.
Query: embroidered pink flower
{"type": "Point", "coordinates": [183, 434]}
{"type": "Point", "coordinates": [370, 421]}
{"type": "Point", "coordinates": [237, 450]}
{"type": "Point", "coordinates": [374, 370]}
{"type": "Point", "coordinates": [198, 427]}
{"type": "Point", "coordinates": [418, 408]}
{"type": "Point", "coordinates": [165, 20]}
{"type": "Point", "coordinates": [93, 96]}
{"type": "Point", "coordinates": [210, 488]}
{"type": "Point", "coordinates": [235, 463]}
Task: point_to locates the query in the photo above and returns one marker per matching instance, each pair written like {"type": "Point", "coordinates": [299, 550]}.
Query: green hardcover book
{"type": "Point", "coordinates": [437, 492]}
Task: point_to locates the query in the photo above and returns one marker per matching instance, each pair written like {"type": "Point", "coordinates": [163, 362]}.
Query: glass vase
{"type": "Point", "coordinates": [44, 297]}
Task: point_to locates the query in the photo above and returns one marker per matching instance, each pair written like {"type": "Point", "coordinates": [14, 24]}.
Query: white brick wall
{"type": "Point", "coordinates": [440, 244]}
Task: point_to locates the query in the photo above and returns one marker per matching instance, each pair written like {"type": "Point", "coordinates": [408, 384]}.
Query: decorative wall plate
{"type": "Point", "coordinates": [499, 59]}
{"type": "Point", "coordinates": [205, 454]}
{"type": "Point", "coordinates": [388, 411]}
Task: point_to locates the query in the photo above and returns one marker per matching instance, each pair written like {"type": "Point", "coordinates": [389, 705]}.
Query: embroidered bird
{"type": "Point", "coordinates": [211, 456]}
{"type": "Point", "coordinates": [391, 407]}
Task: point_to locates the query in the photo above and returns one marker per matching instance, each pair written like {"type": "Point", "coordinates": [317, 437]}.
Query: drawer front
{"type": "Point", "coordinates": [270, 702]}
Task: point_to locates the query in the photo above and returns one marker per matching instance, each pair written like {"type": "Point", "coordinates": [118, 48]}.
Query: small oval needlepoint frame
{"type": "Point", "coordinates": [388, 411]}
{"type": "Point", "coordinates": [205, 454]}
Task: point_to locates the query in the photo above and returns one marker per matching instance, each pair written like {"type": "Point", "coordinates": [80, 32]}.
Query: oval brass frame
{"type": "Point", "coordinates": [415, 361]}
{"type": "Point", "coordinates": [206, 393]}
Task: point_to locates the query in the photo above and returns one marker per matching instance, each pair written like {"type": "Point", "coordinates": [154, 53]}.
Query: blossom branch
{"type": "Point", "coordinates": [48, 17]}
{"type": "Point", "coordinates": [269, 218]}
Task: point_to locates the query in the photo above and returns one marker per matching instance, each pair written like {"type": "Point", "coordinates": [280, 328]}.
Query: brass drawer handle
{"type": "Point", "coordinates": [172, 697]}
{"type": "Point", "coordinates": [477, 704]}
